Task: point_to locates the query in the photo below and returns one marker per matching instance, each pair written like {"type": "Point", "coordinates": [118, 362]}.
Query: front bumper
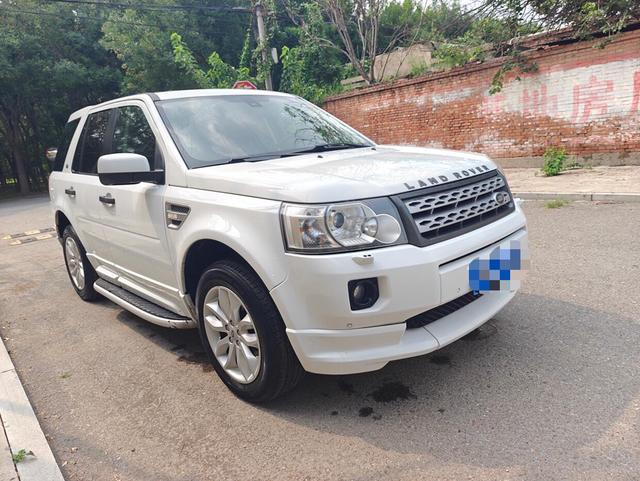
{"type": "Point", "coordinates": [329, 338]}
{"type": "Point", "coordinates": [349, 351]}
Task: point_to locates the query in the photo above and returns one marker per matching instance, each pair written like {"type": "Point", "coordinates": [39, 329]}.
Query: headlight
{"type": "Point", "coordinates": [340, 227]}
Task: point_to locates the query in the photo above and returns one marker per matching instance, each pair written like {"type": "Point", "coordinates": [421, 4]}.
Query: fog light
{"type": "Point", "coordinates": [363, 293]}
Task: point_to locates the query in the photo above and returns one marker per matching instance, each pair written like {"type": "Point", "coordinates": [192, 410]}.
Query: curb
{"type": "Point", "coordinates": [22, 428]}
{"type": "Point", "coordinates": [603, 196]}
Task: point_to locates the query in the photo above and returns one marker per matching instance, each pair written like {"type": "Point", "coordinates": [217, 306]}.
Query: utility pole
{"type": "Point", "coordinates": [262, 37]}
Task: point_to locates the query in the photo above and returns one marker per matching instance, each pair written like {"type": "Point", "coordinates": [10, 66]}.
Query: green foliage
{"type": "Point", "coordinates": [554, 161]}
{"type": "Point", "coordinates": [21, 456]}
{"type": "Point", "coordinates": [418, 69]}
{"type": "Point", "coordinates": [608, 17]}
{"type": "Point", "coordinates": [245, 56]}
{"type": "Point", "coordinates": [515, 61]}
{"type": "Point", "coordinates": [585, 17]}
{"type": "Point", "coordinates": [297, 78]}
{"type": "Point", "coordinates": [218, 75]}
{"type": "Point", "coordinates": [50, 65]}
{"type": "Point", "coordinates": [488, 36]}
{"type": "Point", "coordinates": [400, 21]}
{"type": "Point", "coordinates": [144, 52]}
{"type": "Point", "coordinates": [457, 54]}
{"type": "Point", "coordinates": [556, 203]}
{"type": "Point", "coordinates": [141, 40]}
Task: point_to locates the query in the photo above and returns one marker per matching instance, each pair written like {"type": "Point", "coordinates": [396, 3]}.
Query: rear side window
{"type": "Point", "coordinates": [67, 135]}
{"type": "Point", "coordinates": [93, 137]}
{"type": "Point", "coordinates": [132, 133]}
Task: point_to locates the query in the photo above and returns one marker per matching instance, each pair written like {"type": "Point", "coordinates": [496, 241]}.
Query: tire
{"type": "Point", "coordinates": [255, 328]}
{"type": "Point", "coordinates": [81, 273]}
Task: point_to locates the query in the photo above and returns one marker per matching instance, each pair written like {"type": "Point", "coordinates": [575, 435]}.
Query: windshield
{"type": "Point", "coordinates": [224, 128]}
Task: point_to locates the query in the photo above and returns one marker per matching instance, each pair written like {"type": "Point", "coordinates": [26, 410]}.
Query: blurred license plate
{"type": "Point", "coordinates": [500, 270]}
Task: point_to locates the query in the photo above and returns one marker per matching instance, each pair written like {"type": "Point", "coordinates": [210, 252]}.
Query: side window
{"type": "Point", "coordinates": [63, 148]}
{"type": "Point", "coordinates": [93, 137]}
{"type": "Point", "coordinates": [132, 133]}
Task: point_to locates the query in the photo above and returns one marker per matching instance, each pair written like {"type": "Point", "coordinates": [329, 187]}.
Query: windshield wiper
{"type": "Point", "coordinates": [308, 150]}
{"type": "Point", "coordinates": [325, 148]}
{"type": "Point", "coordinates": [251, 158]}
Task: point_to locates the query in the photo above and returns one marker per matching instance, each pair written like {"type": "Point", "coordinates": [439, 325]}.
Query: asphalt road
{"type": "Point", "coordinates": [548, 389]}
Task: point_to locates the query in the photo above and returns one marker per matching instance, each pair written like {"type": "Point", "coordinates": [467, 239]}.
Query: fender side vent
{"type": "Point", "coordinates": [176, 215]}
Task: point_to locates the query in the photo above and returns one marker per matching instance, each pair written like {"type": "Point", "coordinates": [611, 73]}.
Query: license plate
{"type": "Point", "coordinates": [500, 270]}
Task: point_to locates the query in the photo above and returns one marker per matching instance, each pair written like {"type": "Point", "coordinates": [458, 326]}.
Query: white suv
{"type": "Point", "coordinates": [289, 239]}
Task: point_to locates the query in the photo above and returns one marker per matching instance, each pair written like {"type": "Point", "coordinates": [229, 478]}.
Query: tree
{"type": "Point", "coordinates": [608, 17]}
{"type": "Point", "coordinates": [299, 77]}
{"type": "Point", "coordinates": [510, 21]}
{"type": "Point", "coordinates": [218, 75]}
{"type": "Point", "coordinates": [50, 64]}
{"type": "Point", "coordinates": [141, 39]}
{"type": "Point", "coordinates": [363, 29]}
{"type": "Point", "coordinates": [355, 23]}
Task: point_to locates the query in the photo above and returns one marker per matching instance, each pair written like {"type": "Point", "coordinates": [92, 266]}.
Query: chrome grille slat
{"type": "Point", "coordinates": [450, 212]}
{"type": "Point", "coordinates": [431, 222]}
{"type": "Point", "coordinates": [442, 199]}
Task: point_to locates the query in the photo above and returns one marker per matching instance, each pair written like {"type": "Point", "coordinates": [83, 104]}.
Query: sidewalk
{"type": "Point", "coordinates": [21, 431]}
{"type": "Point", "coordinates": [599, 183]}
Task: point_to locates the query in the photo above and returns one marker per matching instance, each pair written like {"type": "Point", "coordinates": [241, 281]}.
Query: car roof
{"type": "Point", "coordinates": [178, 94]}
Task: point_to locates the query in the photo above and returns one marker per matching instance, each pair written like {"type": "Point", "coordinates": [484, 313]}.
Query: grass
{"type": "Point", "coordinates": [578, 165]}
{"type": "Point", "coordinates": [21, 455]}
{"type": "Point", "coordinates": [556, 203]}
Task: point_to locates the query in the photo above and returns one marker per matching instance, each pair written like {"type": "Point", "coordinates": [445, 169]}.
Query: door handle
{"type": "Point", "coordinates": [107, 199]}
{"type": "Point", "coordinates": [70, 192]}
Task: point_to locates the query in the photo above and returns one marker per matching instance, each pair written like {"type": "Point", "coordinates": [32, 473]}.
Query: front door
{"type": "Point", "coordinates": [135, 223]}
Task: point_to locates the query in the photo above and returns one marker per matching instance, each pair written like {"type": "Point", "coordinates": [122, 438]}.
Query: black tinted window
{"type": "Point", "coordinates": [63, 146]}
{"type": "Point", "coordinates": [132, 133]}
{"type": "Point", "coordinates": [93, 142]}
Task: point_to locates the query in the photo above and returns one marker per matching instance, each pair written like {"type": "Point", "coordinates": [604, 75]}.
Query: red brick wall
{"type": "Point", "coordinates": [583, 98]}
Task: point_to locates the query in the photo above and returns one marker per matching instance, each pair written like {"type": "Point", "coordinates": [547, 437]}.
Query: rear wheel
{"type": "Point", "coordinates": [243, 333]}
{"type": "Point", "coordinates": [80, 270]}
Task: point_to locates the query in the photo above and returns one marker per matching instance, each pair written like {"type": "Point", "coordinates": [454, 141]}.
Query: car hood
{"type": "Point", "coordinates": [341, 175]}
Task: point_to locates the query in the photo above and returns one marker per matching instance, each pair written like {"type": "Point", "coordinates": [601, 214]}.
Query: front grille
{"type": "Point", "coordinates": [439, 312]}
{"type": "Point", "coordinates": [446, 211]}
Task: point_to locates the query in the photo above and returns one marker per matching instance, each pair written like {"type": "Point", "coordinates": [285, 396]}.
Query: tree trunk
{"type": "Point", "coordinates": [21, 172]}
{"type": "Point", "coordinates": [11, 127]}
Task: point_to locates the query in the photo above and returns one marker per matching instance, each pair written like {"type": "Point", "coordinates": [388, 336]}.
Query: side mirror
{"type": "Point", "coordinates": [51, 153]}
{"type": "Point", "coordinates": [127, 168]}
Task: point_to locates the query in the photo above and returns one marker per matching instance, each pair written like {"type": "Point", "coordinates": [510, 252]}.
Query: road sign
{"type": "Point", "coordinates": [244, 84]}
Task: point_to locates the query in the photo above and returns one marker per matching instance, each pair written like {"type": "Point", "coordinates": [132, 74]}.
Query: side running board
{"type": "Point", "coordinates": [141, 307]}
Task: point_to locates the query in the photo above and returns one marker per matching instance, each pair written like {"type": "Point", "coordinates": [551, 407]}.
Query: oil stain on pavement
{"type": "Point", "coordinates": [440, 360]}
{"type": "Point", "coordinates": [196, 357]}
{"type": "Point", "coordinates": [392, 391]}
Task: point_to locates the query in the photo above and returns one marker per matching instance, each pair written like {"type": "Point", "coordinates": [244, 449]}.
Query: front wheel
{"type": "Point", "coordinates": [243, 333]}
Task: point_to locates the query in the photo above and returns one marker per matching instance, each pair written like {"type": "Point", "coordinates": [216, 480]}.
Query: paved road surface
{"type": "Point", "coordinates": [549, 389]}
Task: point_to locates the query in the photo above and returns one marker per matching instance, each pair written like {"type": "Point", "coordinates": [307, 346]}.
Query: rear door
{"type": "Point", "coordinates": [135, 224]}
{"type": "Point", "coordinates": [82, 186]}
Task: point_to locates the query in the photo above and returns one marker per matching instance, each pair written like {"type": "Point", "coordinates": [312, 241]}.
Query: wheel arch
{"type": "Point", "coordinates": [200, 255]}
{"type": "Point", "coordinates": [62, 221]}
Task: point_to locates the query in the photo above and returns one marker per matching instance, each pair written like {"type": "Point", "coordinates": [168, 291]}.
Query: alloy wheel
{"type": "Point", "coordinates": [74, 262]}
{"type": "Point", "coordinates": [232, 334]}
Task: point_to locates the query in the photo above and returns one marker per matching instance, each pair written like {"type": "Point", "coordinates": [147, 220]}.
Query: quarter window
{"type": "Point", "coordinates": [67, 135]}
{"type": "Point", "coordinates": [133, 134]}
